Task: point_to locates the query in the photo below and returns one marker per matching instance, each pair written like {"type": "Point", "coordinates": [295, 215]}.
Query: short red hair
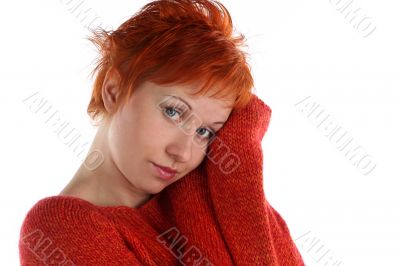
{"type": "Point", "coordinates": [173, 42]}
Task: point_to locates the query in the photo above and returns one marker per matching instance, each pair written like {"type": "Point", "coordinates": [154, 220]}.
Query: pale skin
{"type": "Point", "coordinates": [144, 131]}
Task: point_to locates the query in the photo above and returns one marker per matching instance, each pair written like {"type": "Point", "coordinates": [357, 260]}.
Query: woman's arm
{"type": "Point", "coordinates": [251, 227]}
{"type": "Point", "coordinates": [220, 207]}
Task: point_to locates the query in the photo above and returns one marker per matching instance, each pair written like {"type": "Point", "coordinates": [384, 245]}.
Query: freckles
{"type": "Point", "coordinates": [198, 156]}
{"type": "Point", "coordinates": [200, 145]}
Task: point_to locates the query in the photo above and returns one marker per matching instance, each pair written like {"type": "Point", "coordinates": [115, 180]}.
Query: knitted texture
{"type": "Point", "coordinates": [215, 215]}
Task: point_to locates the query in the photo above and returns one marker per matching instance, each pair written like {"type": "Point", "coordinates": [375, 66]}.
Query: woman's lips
{"type": "Point", "coordinates": [164, 172]}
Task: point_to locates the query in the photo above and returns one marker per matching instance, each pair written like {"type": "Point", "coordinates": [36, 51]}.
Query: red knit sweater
{"type": "Point", "coordinates": [216, 215]}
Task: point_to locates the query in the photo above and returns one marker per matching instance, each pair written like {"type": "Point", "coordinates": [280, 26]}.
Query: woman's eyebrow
{"type": "Point", "coordinates": [179, 98]}
{"type": "Point", "coordinates": [190, 107]}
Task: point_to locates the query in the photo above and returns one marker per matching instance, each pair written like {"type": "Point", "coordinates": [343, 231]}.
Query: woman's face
{"type": "Point", "coordinates": [166, 126]}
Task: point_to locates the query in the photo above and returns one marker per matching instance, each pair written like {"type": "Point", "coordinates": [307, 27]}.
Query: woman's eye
{"type": "Point", "coordinates": [210, 133]}
{"type": "Point", "coordinates": [171, 113]}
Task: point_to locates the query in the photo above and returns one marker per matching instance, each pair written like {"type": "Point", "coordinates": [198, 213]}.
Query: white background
{"type": "Point", "coordinates": [298, 49]}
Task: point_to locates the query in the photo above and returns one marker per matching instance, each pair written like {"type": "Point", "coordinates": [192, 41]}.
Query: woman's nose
{"type": "Point", "coordinates": [181, 146]}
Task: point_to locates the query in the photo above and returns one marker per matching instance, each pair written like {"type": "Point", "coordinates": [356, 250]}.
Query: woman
{"type": "Point", "coordinates": [172, 88]}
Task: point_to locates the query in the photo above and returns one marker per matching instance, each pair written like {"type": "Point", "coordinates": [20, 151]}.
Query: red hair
{"type": "Point", "coordinates": [173, 42]}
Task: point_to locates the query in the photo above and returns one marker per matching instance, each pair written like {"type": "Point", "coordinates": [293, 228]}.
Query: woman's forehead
{"type": "Point", "coordinates": [184, 93]}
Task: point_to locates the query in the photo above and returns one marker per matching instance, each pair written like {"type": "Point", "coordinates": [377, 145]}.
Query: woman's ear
{"type": "Point", "coordinates": [111, 90]}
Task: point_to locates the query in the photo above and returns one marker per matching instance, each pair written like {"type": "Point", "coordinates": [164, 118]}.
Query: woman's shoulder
{"type": "Point", "coordinates": [54, 213]}
{"type": "Point", "coordinates": [60, 205]}
{"type": "Point", "coordinates": [64, 200]}
{"type": "Point", "coordinates": [61, 210]}
{"type": "Point", "coordinates": [63, 224]}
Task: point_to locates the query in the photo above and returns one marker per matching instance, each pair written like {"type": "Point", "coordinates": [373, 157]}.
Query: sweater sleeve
{"type": "Point", "coordinates": [252, 228]}
{"type": "Point", "coordinates": [59, 232]}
